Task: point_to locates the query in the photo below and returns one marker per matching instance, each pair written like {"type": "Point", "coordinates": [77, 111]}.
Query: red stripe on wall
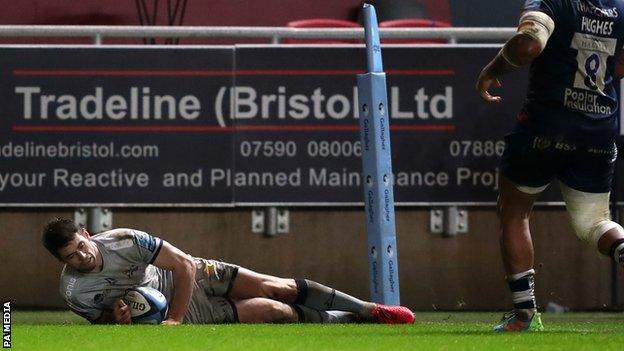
{"type": "Point", "coordinates": [218, 129]}
{"type": "Point", "coordinates": [215, 73]}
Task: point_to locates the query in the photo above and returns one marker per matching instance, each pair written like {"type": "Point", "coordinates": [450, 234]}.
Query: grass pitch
{"type": "Point", "coordinates": [433, 331]}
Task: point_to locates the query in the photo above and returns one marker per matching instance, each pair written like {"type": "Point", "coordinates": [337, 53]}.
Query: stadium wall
{"type": "Point", "coordinates": [328, 245]}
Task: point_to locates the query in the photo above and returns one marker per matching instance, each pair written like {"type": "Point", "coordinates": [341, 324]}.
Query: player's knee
{"type": "Point", "coordinates": [263, 310]}
{"type": "Point", "coordinates": [590, 229]}
{"type": "Point", "coordinates": [515, 202]}
{"type": "Point", "coordinates": [269, 289]}
{"type": "Point", "coordinates": [589, 213]}
{"type": "Point", "coordinates": [592, 232]}
{"type": "Point", "coordinates": [277, 312]}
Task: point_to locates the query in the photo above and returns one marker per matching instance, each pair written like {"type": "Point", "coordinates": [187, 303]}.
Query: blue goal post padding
{"type": "Point", "coordinates": [377, 170]}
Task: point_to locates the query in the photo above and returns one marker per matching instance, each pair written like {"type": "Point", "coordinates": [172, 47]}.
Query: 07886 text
{"type": "Point", "coordinates": [476, 148]}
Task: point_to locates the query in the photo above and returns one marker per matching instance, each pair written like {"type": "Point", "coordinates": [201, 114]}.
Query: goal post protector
{"type": "Point", "coordinates": [377, 170]}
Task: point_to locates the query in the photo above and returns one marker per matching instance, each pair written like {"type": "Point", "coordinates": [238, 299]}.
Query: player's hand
{"type": "Point", "coordinates": [121, 312]}
{"type": "Point", "coordinates": [484, 83]}
{"type": "Point", "coordinates": [170, 321]}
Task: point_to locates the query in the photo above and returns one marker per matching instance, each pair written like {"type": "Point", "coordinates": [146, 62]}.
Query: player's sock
{"type": "Point", "coordinates": [617, 251]}
{"type": "Point", "coordinates": [323, 298]}
{"type": "Point", "coordinates": [310, 315]}
{"type": "Point", "coordinates": [522, 286]}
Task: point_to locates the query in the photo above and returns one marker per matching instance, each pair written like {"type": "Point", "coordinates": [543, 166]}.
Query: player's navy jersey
{"type": "Point", "coordinates": [572, 81]}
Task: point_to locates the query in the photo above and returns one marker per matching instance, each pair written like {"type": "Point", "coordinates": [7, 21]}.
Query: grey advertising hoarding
{"type": "Point", "coordinates": [445, 141]}
{"type": "Point", "coordinates": [86, 125]}
{"type": "Point", "coordinates": [242, 125]}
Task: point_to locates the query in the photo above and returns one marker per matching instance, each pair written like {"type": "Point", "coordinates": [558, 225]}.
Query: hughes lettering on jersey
{"type": "Point", "coordinates": [137, 104]}
{"type": "Point", "coordinates": [595, 26]}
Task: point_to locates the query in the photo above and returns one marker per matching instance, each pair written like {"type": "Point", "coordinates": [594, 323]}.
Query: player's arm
{"type": "Point", "coordinates": [119, 315]}
{"type": "Point", "coordinates": [183, 268]}
{"type": "Point", "coordinates": [534, 30]}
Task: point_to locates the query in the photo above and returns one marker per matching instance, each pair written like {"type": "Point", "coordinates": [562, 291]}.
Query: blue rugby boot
{"type": "Point", "coordinates": [512, 323]}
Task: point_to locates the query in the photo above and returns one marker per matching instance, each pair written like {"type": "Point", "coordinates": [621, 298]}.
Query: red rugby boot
{"type": "Point", "coordinates": [392, 314]}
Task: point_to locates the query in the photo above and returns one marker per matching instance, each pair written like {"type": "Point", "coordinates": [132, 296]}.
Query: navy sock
{"type": "Point", "coordinates": [617, 251]}
{"type": "Point", "coordinates": [522, 286]}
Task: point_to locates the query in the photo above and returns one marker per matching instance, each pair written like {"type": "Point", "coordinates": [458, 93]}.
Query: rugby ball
{"type": "Point", "coordinates": [147, 305]}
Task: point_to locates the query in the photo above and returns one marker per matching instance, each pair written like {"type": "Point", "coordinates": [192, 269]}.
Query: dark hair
{"type": "Point", "coordinates": [57, 233]}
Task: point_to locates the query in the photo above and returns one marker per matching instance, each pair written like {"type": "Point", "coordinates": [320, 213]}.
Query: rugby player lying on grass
{"type": "Point", "coordinates": [100, 268]}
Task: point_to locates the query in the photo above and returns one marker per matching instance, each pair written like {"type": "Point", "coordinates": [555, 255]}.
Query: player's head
{"type": "Point", "coordinates": [70, 244]}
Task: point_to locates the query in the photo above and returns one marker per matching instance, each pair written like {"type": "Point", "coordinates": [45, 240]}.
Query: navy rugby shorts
{"type": "Point", "coordinates": [535, 160]}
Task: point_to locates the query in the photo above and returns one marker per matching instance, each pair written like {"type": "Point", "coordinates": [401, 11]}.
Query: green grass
{"type": "Point", "coordinates": [433, 331]}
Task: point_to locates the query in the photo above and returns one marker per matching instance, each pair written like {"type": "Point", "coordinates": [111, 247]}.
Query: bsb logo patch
{"type": "Point", "coordinates": [145, 240]}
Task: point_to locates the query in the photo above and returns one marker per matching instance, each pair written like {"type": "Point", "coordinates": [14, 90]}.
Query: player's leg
{"type": "Point", "coordinates": [514, 206]}
{"type": "Point", "coordinates": [249, 284]}
{"type": "Point", "coordinates": [321, 297]}
{"type": "Point", "coordinates": [514, 210]}
{"type": "Point", "coordinates": [263, 310]}
{"type": "Point", "coordinates": [223, 282]}
{"type": "Point", "coordinates": [611, 244]}
{"type": "Point", "coordinates": [527, 167]}
{"type": "Point", "coordinates": [586, 187]}
{"type": "Point", "coordinates": [591, 219]}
